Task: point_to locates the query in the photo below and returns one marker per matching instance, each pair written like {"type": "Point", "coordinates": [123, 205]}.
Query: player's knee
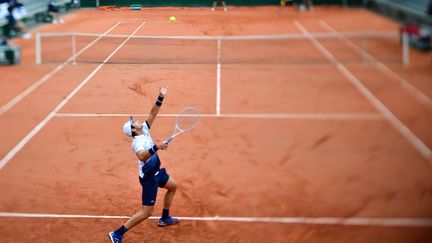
{"type": "Point", "coordinates": [172, 185]}
{"type": "Point", "coordinates": [146, 212]}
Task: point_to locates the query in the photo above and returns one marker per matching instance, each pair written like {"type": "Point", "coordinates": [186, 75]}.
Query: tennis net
{"type": "Point", "coordinates": [346, 47]}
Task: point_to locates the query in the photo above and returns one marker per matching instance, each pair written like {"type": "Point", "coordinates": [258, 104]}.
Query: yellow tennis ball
{"type": "Point", "coordinates": [172, 19]}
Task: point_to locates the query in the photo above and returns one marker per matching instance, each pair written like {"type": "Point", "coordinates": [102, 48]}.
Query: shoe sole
{"type": "Point", "coordinates": [164, 225]}
{"type": "Point", "coordinates": [110, 237]}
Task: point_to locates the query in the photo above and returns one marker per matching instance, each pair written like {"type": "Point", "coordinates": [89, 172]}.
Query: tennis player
{"type": "Point", "coordinates": [151, 176]}
{"type": "Point", "coordinates": [54, 11]}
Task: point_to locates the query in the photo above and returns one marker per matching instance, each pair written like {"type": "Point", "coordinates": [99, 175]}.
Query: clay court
{"type": "Point", "coordinates": [314, 146]}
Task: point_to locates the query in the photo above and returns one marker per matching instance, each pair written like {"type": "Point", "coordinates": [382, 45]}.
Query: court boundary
{"type": "Point", "coordinates": [338, 221]}
{"type": "Point", "coordinates": [305, 221]}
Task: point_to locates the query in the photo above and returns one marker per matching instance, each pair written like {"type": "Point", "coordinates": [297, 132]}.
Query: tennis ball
{"type": "Point", "coordinates": [172, 19]}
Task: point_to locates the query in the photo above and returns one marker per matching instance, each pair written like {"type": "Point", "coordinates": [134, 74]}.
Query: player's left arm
{"type": "Point", "coordinates": [156, 107]}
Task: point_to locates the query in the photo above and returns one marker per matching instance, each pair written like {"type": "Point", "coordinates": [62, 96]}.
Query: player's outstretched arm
{"type": "Point", "coordinates": [156, 107]}
{"type": "Point", "coordinates": [144, 155]}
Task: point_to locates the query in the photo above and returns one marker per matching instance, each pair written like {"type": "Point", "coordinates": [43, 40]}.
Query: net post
{"type": "Point", "coordinates": [38, 48]}
{"type": "Point", "coordinates": [73, 48]}
{"type": "Point", "coordinates": [405, 49]}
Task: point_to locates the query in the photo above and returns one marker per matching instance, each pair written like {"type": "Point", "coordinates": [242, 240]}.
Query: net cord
{"type": "Point", "coordinates": [370, 34]}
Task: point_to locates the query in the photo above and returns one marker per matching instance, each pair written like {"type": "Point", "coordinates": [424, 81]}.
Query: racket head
{"type": "Point", "coordinates": [188, 119]}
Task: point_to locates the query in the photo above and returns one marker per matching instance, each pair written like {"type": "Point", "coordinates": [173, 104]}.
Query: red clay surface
{"type": "Point", "coordinates": [239, 167]}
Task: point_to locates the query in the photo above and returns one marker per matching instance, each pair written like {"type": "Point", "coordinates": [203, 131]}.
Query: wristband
{"type": "Point", "coordinates": [153, 150]}
{"type": "Point", "coordinates": [159, 101]}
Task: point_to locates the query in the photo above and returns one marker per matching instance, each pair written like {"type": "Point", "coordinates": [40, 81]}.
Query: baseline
{"type": "Point", "coordinates": [382, 222]}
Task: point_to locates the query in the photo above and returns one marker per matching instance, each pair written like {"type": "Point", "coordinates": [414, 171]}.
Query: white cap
{"type": "Point", "coordinates": [127, 129]}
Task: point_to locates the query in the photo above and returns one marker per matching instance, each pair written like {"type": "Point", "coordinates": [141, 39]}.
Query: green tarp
{"type": "Point", "coordinates": [192, 3]}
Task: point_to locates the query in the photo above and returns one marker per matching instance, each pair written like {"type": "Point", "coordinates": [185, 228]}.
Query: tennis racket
{"type": "Point", "coordinates": [187, 120]}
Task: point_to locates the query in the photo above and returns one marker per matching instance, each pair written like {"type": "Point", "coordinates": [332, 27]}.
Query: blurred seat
{"type": "Point", "coordinates": [412, 11]}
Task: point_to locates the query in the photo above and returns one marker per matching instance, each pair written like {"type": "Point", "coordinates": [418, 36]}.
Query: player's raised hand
{"type": "Point", "coordinates": [163, 90]}
{"type": "Point", "coordinates": [162, 146]}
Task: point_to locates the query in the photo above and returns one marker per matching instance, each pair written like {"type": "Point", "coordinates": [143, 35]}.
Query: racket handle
{"type": "Point", "coordinates": [169, 139]}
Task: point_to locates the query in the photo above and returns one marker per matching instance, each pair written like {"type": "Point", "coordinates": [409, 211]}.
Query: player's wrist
{"type": "Point", "coordinates": [153, 149]}
{"type": "Point", "coordinates": [159, 100]}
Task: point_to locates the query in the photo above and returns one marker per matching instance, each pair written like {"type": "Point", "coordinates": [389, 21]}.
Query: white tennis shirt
{"type": "Point", "coordinates": [144, 142]}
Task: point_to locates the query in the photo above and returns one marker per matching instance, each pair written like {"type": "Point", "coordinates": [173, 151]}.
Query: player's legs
{"type": "Point", "coordinates": [22, 27]}
{"type": "Point", "coordinates": [58, 18]}
{"type": "Point", "coordinates": [149, 192]}
{"type": "Point", "coordinates": [141, 215]}
{"type": "Point", "coordinates": [224, 6]}
{"type": "Point", "coordinates": [214, 5]}
{"type": "Point", "coordinates": [171, 187]}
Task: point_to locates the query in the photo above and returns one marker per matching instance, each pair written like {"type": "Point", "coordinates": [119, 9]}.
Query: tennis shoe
{"type": "Point", "coordinates": [115, 238]}
{"type": "Point", "coordinates": [168, 221]}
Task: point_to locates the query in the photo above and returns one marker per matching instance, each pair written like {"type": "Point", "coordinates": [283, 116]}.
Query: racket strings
{"type": "Point", "coordinates": [188, 119]}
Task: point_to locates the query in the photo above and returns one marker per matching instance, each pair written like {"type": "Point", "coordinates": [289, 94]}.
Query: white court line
{"type": "Point", "coordinates": [422, 97]}
{"type": "Point", "coordinates": [35, 130]}
{"type": "Point", "coordinates": [290, 116]}
{"type": "Point", "coordinates": [422, 148]}
{"type": "Point", "coordinates": [45, 78]}
{"type": "Point", "coordinates": [383, 222]}
{"type": "Point", "coordinates": [218, 78]}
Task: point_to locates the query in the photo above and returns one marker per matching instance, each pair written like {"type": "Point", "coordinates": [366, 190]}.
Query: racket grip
{"type": "Point", "coordinates": [169, 139]}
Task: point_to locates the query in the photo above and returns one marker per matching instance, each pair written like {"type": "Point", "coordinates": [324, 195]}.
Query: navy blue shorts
{"type": "Point", "coordinates": [150, 184]}
{"type": "Point", "coordinates": [52, 9]}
